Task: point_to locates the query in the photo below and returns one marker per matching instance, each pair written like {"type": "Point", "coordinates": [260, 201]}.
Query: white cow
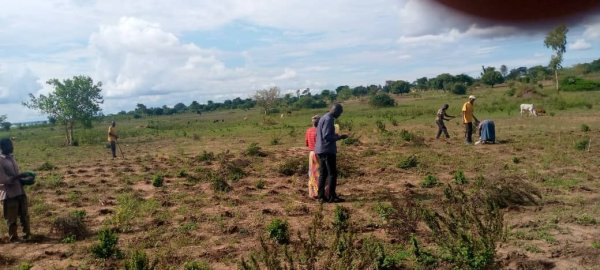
{"type": "Point", "coordinates": [528, 108]}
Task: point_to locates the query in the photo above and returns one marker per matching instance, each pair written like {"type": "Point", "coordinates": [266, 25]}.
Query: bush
{"type": "Point", "coordinates": [459, 178]}
{"type": "Point", "coordinates": [406, 135]}
{"type": "Point", "coordinates": [404, 218]}
{"type": "Point", "coordinates": [219, 184]}
{"type": "Point", "coordinates": [429, 181]}
{"type": "Point", "coordinates": [205, 156]}
{"type": "Point", "coordinates": [25, 266]}
{"type": "Point", "coordinates": [341, 217]}
{"type": "Point", "coordinates": [511, 91]}
{"type": "Point", "coordinates": [254, 150]}
{"type": "Point", "coordinates": [294, 165]}
{"type": "Point", "coordinates": [278, 230]}
{"type": "Point", "coordinates": [572, 83]}
{"type": "Point", "coordinates": [585, 128]}
{"type": "Point", "coordinates": [107, 245]}
{"type": "Point", "coordinates": [381, 100]}
{"type": "Point", "coordinates": [196, 265]}
{"type": "Point", "coordinates": [70, 226]}
{"type": "Point", "coordinates": [458, 89]}
{"type": "Point", "coordinates": [260, 184]}
{"type": "Point", "coordinates": [582, 145]}
{"type": "Point", "coordinates": [157, 180]}
{"type": "Point", "coordinates": [139, 261]}
{"type": "Point", "coordinates": [408, 162]}
{"type": "Point", "coordinates": [46, 166]}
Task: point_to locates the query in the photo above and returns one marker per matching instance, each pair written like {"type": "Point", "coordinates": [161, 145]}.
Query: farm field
{"type": "Point", "coordinates": [224, 176]}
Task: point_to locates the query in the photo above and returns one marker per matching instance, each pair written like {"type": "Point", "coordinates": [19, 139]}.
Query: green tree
{"type": "Point", "coordinates": [73, 100]}
{"type": "Point", "coordinates": [267, 98]}
{"type": "Point", "coordinates": [382, 100]}
{"type": "Point", "coordinates": [141, 109]}
{"type": "Point", "coordinates": [4, 124]}
{"type": "Point", "coordinates": [422, 83]}
{"type": "Point", "coordinates": [397, 87]}
{"type": "Point", "coordinates": [491, 76]}
{"type": "Point", "coordinates": [557, 41]}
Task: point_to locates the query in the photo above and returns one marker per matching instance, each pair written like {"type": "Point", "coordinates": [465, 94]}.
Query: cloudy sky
{"type": "Point", "coordinates": [164, 52]}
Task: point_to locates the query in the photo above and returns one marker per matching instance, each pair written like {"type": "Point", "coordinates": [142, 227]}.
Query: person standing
{"type": "Point", "coordinates": [468, 118]}
{"type": "Point", "coordinates": [439, 120]}
{"type": "Point", "coordinates": [112, 138]}
{"type": "Point", "coordinates": [12, 194]}
{"type": "Point", "coordinates": [326, 150]}
{"type": "Point", "coordinates": [313, 160]}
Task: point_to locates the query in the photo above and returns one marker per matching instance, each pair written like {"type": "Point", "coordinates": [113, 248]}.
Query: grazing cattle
{"type": "Point", "coordinates": [528, 108]}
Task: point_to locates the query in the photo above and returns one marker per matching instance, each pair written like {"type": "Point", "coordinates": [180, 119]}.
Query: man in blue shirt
{"type": "Point", "coordinates": [326, 149]}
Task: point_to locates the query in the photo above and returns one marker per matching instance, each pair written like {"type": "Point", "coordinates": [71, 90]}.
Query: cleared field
{"type": "Point", "coordinates": [219, 195]}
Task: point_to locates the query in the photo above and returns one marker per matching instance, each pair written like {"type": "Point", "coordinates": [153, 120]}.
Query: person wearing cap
{"type": "Point", "coordinates": [326, 149]}
{"type": "Point", "coordinates": [112, 138]}
{"type": "Point", "coordinates": [313, 159]}
{"type": "Point", "coordinates": [12, 194]}
{"type": "Point", "coordinates": [439, 120]}
{"type": "Point", "coordinates": [468, 119]}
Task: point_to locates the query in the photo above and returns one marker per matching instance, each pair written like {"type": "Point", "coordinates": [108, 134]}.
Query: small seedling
{"type": "Point", "coordinates": [158, 180]}
{"type": "Point", "coordinates": [459, 178]}
{"type": "Point", "coordinates": [429, 181]}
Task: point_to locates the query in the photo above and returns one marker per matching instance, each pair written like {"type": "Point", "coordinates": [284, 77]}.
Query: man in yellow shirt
{"type": "Point", "coordinates": [112, 138]}
{"type": "Point", "coordinates": [468, 118]}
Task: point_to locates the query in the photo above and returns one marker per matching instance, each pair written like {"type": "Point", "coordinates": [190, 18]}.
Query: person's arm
{"type": "Point", "coordinates": [446, 115]}
{"type": "Point", "coordinates": [306, 138]}
{"type": "Point", "coordinates": [6, 179]}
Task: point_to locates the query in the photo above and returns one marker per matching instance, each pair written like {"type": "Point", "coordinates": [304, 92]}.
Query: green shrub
{"type": "Point", "coordinates": [278, 230]}
{"type": "Point", "coordinates": [71, 226]}
{"type": "Point", "coordinates": [196, 265]}
{"type": "Point", "coordinates": [516, 160]}
{"type": "Point", "coordinates": [107, 245]}
{"type": "Point", "coordinates": [585, 128]}
{"type": "Point", "coordinates": [582, 145]}
{"type": "Point", "coordinates": [383, 210]}
{"type": "Point", "coordinates": [219, 184]}
{"type": "Point", "coordinates": [275, 141]}
{"type": "Point", "coordinates": [260, 184]}
{"type": "Point", "coordinates": [341, 217]}
{"type": "Point", "coordinates": [46, 166]}
{"type": "Point", "coordinates": [596, 244]}
{"type": "Point", "coordinates": [406, 135]}
{"type": "Point", "coordinates": [182, 173]}
{"type": "Point", "coordinates": [424, 257]}
{"type": "Point", "coordinates": [458, 89]}
{"type": "Point", "coordinates": [351, 140]}
{"type": "Point", "coordinates": [254, 150]}
{"type": "Point", "coordinates": [139, 261]}
{"type": "Point", "coordinates": [510, 92]}
{"type": "Point", "coordinates": [293, 165]}
{"type": "Point", "coordinates": [381, 100]}
{"type": "Point", "coordinates": [24, 266]}
{"type": "Point", "coordinates": [459, 178]}
{"type": "Point", "coordinates": [429, 181]}
{"type": "Point", "coordinates": [572, 83]}
{"type": "Point", "coordinates": [157, 180]}
{"type": "Point", "coordinates": [408, 162]}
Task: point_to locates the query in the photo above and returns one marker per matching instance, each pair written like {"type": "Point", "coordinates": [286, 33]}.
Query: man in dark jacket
{"type": "Point", "coordinates": [326, 149]}
{"type": "Point", "coordinates": [12, 194]}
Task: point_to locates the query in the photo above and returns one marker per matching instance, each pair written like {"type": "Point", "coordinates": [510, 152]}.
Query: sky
{"type": "Point", "coordinates": [158, 52]}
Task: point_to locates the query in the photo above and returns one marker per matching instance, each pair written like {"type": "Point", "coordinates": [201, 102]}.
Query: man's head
{"type": "Point", "coordinates": [113, 123]}
{"type": "Point", "coordinates": [445, 106]}
{"type": "Point", "coordinates": [315, 120]}
{"type": "Point", "coordinates": [6, 146]}
{"type": "Point", "coordinates": [472, 99]}
{"type": "Point", "coordinates": [336, 110]}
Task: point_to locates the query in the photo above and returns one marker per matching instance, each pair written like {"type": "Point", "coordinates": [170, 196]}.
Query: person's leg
{"type": "Point", "coordinates": [323, 173]}
{"type": "Point", "coordinates": [24, 215]}
{"type": "Point", "coordinates": [439, 129]}
{"type": "Point", "coordinates": [332, 163]}
{"type": "Point", "coordinates": [469, 127]}
{"type": "Point", "coordinates": [443, 129]}
{"type": "Point", "coordinates": [11, 211]}
{"type": "Point", "coordinates": [113, 148]}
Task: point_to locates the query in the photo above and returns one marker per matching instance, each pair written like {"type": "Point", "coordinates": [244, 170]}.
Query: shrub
{"type": "Point", "coordinates": [351, 140]}
{"type": "Point", "coordinates": [139, 261]}
{"type": "Point", "coordinates": [157, 180]}
{"type": "Point", "coordinates": [384, 211]}
{"type": "Point", "coordinates": [341, 217]}
{"type": "Point", "coordinates": [46, 166]}
{"type": "Point", "coordinates": [585, 128]}
{"type": "Point", "coordinates": [510, 92]}
{"type": "Point", "coordinates": [459, 178]}
{"type": "Point", "coordinates": [107, 245]}
{"type": "Point", "coordinates": [205, 156]}
{"type": "Point", "coordinates": [260, 184]}
{"type": "Point", "coordinates": [380, 126]}
{"type": "Point", "coordinates": [403, 221]}
{"type": "Point", "coordinates": [429, 181]}
{"type": "Point", "coordinates": [381, 100]}
{"type": "Point", "coordinates": [182, 173]}
{"type": "Point", "coordinates": [294, 165]}
{"type": "Point", "coordinates": [196, 265]}
{"type": "Point", "coordinates": [406, 135]}
{"type": "Point", "coordinates": [25, 266]}
{"type": "Point", "coordinates": [582, 145]}
{"type": "Point", "coordinates": [572, 83]}
{"type": "Point", "coordinates": [254, 150]}
{"type": "Point", "coordinates": [70, 226]}
{"type": "Point", "coordinates": [278, 230]}
{"type": "Point", "coordinates": [458, 89]}
{"type": "Point", "coordinates": [408, 162]}
{"type": "Point", "coordinates": [219, 184]}
{"type": "Point", "coordinates": [516, 160]}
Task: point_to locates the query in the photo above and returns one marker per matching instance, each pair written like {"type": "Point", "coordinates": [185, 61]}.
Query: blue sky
{"type": "Point", "coordinates": [164, 52]}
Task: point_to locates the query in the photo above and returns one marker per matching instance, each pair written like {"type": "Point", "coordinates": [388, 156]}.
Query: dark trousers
{"type": "Point", "coordinates": [327, 171]}
{"type": "Point", "coordinates": [113, 148]}
{"type": "Point", "coordinates": [469, 132]}
{"type": "Point", "coordinates": [441, 129]}
{"type": "Point", "coordinates": [16, 208]}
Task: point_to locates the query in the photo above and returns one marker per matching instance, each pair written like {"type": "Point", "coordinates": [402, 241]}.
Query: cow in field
{"type": "Point", "coordinates": [528, 108]}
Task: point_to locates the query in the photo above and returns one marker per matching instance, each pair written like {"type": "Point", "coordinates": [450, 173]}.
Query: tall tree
{"type": "Point", "coordinates": [4, 125]}
{"type": "Point", "coordinates": [267, 98]}
{"type": "Point", "coordinates": [557, 41]}
{"type": "Point", "coordinates": [491, 77]}
{"type": "Point", "coordinates": [73, 100]}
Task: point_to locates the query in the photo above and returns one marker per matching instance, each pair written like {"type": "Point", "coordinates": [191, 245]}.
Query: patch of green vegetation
{"type": "Point", "coordinates": [384, 210]}
{"type": "Point", "coordinates": [138, 260]}
{"type": "Point", "coordinates": [25, 266]}
{"type": "Point", "coordinates": [586, 219]}
{"type": "Point", "coordinates": [196, 265]}
{"type": "Point", "coordinates": [408, 162]}
{"type": "Point", "coordinates": [596, 244]}
{"type": "Point", "coordinates": [219, 184]}
{"type": "Point", "coordinates": [532, 248]}
{"type": "Point", "coordinates": [459, 178]}
{"type": "Point", "coordinates": [582, 144]}
{"type": "Point", "coordinates": [341, 217]}
{"type": "Point", "coordinates": [561, 183]}
{"type": "Point", "coordinates": [260, 184]}
{"type": "Point", "coordinates": [430, 181]}
{"type": "Point", "coordinates": [158, 180]}
{"type": "Point", "coordinates": [46, 166]}
{"type": "Point", "coordinates": [584, 128]}
{"type": "Point", "coordinates": [254, 150]}
{"type": "Point", "coordinates": [107, 245]}
{"type": "Point", "coordinates": [278, 230]}
{"type": "Point", "coordinates": [294, 166]}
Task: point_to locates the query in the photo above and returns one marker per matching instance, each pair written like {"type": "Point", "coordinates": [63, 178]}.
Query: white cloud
{"type": "Point", "coordinates": [16, 83]}
{"type": "Point", "coordinates": [580, 45]}
{"type": "Point", "coordinates": [288, 73]}
{"type": "Point", "coordinates": [592, 31]}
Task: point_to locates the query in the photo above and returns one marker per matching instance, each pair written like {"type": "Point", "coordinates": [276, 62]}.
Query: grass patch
{"type": "Point", "coordinates": [279, 231]}
{"type": "Point", "coordinates": [430, 181]}
{"type": "Point", "coordinates": [459, 178]}
{"type": "Point", "coordinates": [293, 166]}
{"type": "Point", "coordinates": [408, 162]}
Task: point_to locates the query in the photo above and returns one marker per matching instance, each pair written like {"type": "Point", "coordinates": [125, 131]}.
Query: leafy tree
{"type": "Point", "coordinates": [267, 98]}
{"type": "Point", "coordinates": [179, 107]}
{"type": "Point", "coordinates": [4, 124]}
{"type": "Point", "coordinates": [442, 82]}
{"type": "Point", "coordinates": [73, 100]}
{"type": "Point", "coordinates": [422, 83]}
{"type": "Point", "coordinates": [194, 107]}
{"type": "Point", "coordinates": [491, 77]}
{"type": "Point", "coordinates": [141, 109]}
{"type": "Point", "coordinates": [557, 41]}
{"type": "Point", "coordinates": [397, 87]}
{"type": "Point", "coordinates": [373, 89]}
{"type": "Point", "coordinates": [328, 95]}
{"type": "Point", "coordinates": [459, 89]}
{"type": "Point", "coordinates": [503, 70]}
{"type": "Point", "coordinates": [360, 91]}
{"type": "Point", "coordinates": [464, 79]}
